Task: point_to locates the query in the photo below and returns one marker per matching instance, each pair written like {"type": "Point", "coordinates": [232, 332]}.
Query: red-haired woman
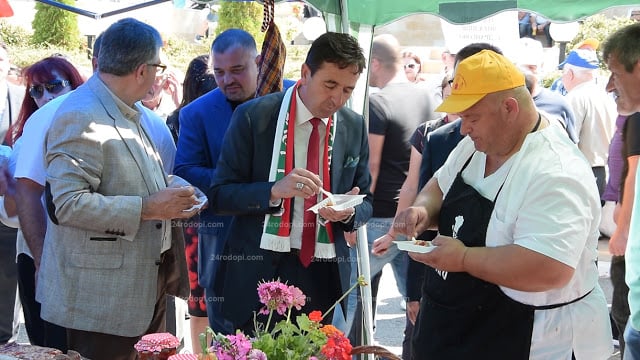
{"type": "Point", "coordinates": [44, 80]}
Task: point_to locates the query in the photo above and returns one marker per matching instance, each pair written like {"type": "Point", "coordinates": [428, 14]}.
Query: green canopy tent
{"type": "Point", "coordinates": [360, 17]}
{"type": "Point", "coordinates": [379, 12]}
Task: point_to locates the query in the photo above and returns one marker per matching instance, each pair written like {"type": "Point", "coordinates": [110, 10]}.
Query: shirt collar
{"type": "Point", "coordinates": [303, 114]}
{"type": "Point", "coordinates": [130, 113]}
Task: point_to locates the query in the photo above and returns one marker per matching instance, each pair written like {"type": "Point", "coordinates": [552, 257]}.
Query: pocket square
{"type": "Point", "coordinates": [351, 161]}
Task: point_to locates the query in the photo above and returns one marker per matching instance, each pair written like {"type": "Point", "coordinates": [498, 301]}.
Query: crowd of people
{"type": "Point", "coordinates": [103, 181]}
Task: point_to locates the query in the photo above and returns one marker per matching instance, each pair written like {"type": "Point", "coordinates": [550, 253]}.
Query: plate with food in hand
{"type": "Point", "coordinates": [415, 245]}
{"type": "Point", "coordinates": [202, 201]}
{"type": "Point", "coordinates": [340, 202]}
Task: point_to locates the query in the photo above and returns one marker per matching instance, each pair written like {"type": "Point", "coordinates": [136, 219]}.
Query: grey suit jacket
{"type": "Point", "coordinates": [100, 262]}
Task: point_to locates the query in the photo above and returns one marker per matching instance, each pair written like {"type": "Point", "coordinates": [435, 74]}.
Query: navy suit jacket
{"type": "Point", "coordinates": [242, 189]}
{"type": "Point", "coordinates": [203, 124]}
{"type": "Point", "coordinates": [436, 148]}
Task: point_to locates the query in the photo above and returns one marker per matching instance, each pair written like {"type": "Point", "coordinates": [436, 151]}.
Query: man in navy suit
{"type": "Point", "coordinates": [203, 124]}
{"type": "Point", "coordinates": [264, 179]}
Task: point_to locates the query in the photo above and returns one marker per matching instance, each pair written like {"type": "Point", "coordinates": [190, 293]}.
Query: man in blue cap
{"type": "Point", "coordinates": [595, 111]}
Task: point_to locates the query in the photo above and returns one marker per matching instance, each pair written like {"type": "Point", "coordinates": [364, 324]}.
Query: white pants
{"type": "Point", "coordinates": [607, 225]}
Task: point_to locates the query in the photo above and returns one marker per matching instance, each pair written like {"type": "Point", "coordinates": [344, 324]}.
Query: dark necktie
{"type": "Point", "coordinates": [309, 227]}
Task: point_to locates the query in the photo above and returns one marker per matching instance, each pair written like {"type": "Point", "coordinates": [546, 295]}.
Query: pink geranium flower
{"type": "Point", "coordinates": [275, 296]}
{"type": "Point", "coordinates": [298, 297]}
{"type": "Point", "coordinates": [305, 339]}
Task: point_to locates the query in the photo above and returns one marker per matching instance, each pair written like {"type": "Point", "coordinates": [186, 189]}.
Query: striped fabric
{"type": "Point", "coordinates": [271, 67]}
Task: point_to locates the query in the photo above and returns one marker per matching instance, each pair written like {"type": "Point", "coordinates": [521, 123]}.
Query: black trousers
{"type": "Point", "coordinates": [320, 282]}
{"type": "Point", "coordinates": [601, 179]}
{"type": "Point", "coordinates": [8, 283]}
{"type": "Point", "coordinates": [40, 332]}
{"type": "Point", "coordinates": [619, 300]}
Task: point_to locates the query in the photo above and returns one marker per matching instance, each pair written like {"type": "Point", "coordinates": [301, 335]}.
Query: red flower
{"type": "Point", "coordinates": [315, 316]}
{"type": "Point", "coordinates": [338, 346]}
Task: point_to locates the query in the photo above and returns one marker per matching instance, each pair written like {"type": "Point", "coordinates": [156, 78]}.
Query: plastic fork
{"type": "Point", "coordinates": [328, 195]}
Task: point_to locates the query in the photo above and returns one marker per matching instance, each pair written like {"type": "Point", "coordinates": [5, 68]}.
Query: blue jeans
{"type": "Point", "coordinates": [376, 227]}
{"type": "Point", "coordinates": [632, 343]}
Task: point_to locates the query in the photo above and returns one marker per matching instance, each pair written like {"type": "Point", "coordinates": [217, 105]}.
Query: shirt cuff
{"type": "Point", "coordinates": [277, 204]}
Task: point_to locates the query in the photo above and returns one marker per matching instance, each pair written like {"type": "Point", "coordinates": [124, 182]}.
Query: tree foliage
{"type": "Point", "coordinates": [598, 27]}
{"type": "Point", "coordinates": [55, 26]}
{"type": "Point", "coordinates": [245, 15]}
{"type": "Point", "coordinates": [13, 35]}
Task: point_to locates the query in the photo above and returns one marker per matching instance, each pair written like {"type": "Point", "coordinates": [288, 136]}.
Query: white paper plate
{"type": "Point", "coordinates": [342, 202]}
{"type": "Point", "coordinates": [413, 247]}
{"type": "Point", "coordinates": [201, 202]}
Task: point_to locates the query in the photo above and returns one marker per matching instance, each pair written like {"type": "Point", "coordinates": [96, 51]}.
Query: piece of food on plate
{"type": "Point", "coordinates": [421, 242]}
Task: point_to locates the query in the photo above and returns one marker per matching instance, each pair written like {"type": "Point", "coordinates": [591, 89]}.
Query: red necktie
{"type": "Point", "coordinates": [307, 249]}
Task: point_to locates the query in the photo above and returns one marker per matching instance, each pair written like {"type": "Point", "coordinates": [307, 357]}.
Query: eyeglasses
{"type": "Point", "coordinates": [160, 68]}
{"type": "Point", "coordinates": [53, 87]}
{"type": "Point", "coordinates": [410, 66]}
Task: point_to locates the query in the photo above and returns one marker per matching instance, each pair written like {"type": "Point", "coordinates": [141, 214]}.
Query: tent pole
{"type": "Point", "coordinates": [98, 16]}
{"type": "Point", "coordinates": [344, 17]}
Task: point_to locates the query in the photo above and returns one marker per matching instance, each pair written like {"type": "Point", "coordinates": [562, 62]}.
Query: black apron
{"type": "Point", "coordinates": [461, 316]}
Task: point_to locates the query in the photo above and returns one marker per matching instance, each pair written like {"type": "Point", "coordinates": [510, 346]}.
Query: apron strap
{"type": "Point", "coordinates": [554, 306]}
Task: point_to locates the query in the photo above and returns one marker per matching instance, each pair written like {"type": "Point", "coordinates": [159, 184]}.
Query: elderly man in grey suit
{"type": "Point", "coordinates": [110, 255]}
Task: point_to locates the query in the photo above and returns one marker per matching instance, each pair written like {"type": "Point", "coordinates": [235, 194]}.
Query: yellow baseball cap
{"type": "Point", "coordinates": [478, 75]}
{"type": "Point", "coordinates": [589, 43]}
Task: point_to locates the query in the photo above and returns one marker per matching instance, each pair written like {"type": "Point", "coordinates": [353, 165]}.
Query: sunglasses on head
{"type": "Point", "coordinates": [53, 87]}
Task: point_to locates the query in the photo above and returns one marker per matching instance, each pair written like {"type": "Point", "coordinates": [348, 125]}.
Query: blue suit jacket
{"type": "Point", "coordinates": [242, 188]}
{"type": "Point", "coordinates": [203, 124]}
{"type": "Point", "coordinates": [437, 146]}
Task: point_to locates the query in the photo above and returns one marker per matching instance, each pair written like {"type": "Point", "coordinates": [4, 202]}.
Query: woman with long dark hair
{"type": "Point", "coordinates": [198, 80]}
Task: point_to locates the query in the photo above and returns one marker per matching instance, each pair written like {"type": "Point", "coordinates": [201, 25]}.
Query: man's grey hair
{"type": "Point", "coordinates": [231, 38]}
{"type": "Point", "coordinates": [97, 44]}
{"type": "Point", "coordinates": [127, 44]}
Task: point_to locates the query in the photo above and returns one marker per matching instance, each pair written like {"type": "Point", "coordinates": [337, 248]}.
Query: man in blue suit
{"type": "Point", "coordinates": [265, 178]}
{"type": "Point", "coordinates": [203, 124]}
